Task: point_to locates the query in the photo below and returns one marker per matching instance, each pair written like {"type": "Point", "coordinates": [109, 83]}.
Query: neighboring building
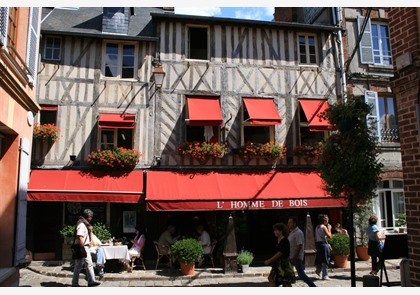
{"type": "Point", "coordinates": [19, 31]}
{"type": "Point", "coordinates": [368, 72]}
{"type": "Point", "coordinates": [226, 80]}
{"type": "Point", "coordinates": [404, 27]}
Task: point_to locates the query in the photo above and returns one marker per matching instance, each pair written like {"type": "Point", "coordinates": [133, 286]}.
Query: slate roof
{"type": "Point", "coordinates": [88, 21]}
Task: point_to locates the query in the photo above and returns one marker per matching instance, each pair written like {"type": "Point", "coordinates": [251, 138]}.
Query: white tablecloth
{"type": "Point", "coordinates": [116, 252]}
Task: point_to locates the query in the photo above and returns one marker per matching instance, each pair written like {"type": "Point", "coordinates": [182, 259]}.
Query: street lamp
{"type": "Point", "coordinates": [158, 75]}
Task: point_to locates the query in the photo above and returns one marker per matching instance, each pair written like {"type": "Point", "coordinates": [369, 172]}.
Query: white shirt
{"type": "Point", "coordinates": [205, 240]}
{"type": "Point", "coordinates": [296, 238]}
{"type": "Point", "coordinates": [82, 231]}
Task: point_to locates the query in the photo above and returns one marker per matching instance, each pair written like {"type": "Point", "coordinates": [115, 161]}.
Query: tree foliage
{"type": "Point", "coordinates": [348, 162]}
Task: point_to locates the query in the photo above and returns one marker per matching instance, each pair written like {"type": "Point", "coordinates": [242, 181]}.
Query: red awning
{"type": "Point", "coordinates": [312, 108]}
{"type": "Point", "coordinates": [262, 111]}
{"type": "Point", "coordinates": [49, 107]}
{"type": "Point", "coordinates": [124, 121]}
{"type": "Point", "coordinates": [204, 111]}
{"type": "Point", "coordinates": [178, 191]}
{"type": "Point", "coordinates": [86, 186]}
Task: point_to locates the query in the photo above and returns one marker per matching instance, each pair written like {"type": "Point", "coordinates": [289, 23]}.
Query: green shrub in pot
{"type": "Point", "coordinates": [187, 251]}
{"type": "Point", "coordinates": [245, 257]}
{"type": "Point", "coordinates": [340, 244]}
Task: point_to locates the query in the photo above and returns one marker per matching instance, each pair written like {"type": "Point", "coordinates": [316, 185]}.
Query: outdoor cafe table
{"type": "Point", "coordinates": [116, 252]}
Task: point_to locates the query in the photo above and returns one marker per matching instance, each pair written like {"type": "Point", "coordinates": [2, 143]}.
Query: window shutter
{"type": "Point", "coordinates": [371, 98]}
{"type": "Point", "coordinates": [32, 47]}
{"type": "Point", "coordinates": [4, 17]}
{"type": "Point", "coordinates": [24, 166]}
{"type": "Point", "coordinates": [365, 47]}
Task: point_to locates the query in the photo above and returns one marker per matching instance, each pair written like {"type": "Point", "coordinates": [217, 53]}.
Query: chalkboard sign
{"type": "Point", "coordinates": [395, 246]}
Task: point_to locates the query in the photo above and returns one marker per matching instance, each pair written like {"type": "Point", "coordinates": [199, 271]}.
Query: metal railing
{"type": "Point", "coordinates": [390, 135]}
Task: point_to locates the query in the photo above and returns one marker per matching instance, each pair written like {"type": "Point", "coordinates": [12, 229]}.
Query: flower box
{"type": "Point", "coordinates": [307, 153]}
{"type": "Point", "coordinates": [46, 132]}
{"type": "Point", "coordinates": [118, 157]}
{"type": "Point", "coordinates": [269, 151]}
{"type": "Point", "coordinates": [202, 151]}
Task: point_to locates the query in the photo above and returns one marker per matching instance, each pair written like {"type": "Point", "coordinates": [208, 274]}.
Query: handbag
{"type": "Point", "coordinates": [76, 252]}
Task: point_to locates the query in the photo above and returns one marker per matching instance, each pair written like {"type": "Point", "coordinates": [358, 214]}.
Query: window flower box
{"type": "Point", "coordinates": [46, 132]}
{"type": "Point", "coordinates": [203, 151]}
{"type": "Point", "coordinates": [269, 151]}
{"type": "Point", "coordinates": [118, 157]}
{"type": "Point", "coordinates": [309, 152]}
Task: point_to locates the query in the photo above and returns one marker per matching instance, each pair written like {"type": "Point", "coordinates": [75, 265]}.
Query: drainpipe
{"type": "Point", "coordinates": [336, 15]}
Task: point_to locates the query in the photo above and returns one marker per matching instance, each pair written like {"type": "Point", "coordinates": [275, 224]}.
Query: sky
{"type": "Point", "coordinates": [254, 13]}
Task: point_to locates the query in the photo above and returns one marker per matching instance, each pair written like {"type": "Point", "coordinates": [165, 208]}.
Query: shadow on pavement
{"type": "Point", "coordinates": [54, 284]}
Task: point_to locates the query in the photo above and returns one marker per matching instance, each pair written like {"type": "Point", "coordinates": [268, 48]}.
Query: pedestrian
{"type": "Point", "coordinates": [375, 244]}
{"type": "Point", "coordinates": [282, 273]}
{"type": "Point", "coordinates": [82, 238]}
{"type": "Point", "coordinates": [323, 248]}
{"type": "Point", "coordinates": [296, 240]}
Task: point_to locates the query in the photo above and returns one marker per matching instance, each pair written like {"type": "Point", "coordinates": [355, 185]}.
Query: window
{"type": "Point", "coordinates": [115, 137]}
{"type": "Point", "coordinates": [12, 26]}
{"type": "Point", "coordinates": [388, 119]}
{"type": "Point", "coordinates": [306, 135]}
{"type": "Point", "coordinates": [390, 202]}
{"type": "Point", "coordinates": [258, 134]}
{"type": "Point", "coordinates": [381, 45]}
{"type": "Point", "coordinates": [52, 49]}
{"type": "Point", "coordinates": [203, 133]}
{"type": "Point", "coordinates": [48, 114]}
{"type": "Point", "coordinates": [120, 60]}
{"type": "Point", "coordinates": [307, 49]}
{"type": "Point", "coordinates": [198, 43]}
{"type": "Point", "coordinates": [4, 20]}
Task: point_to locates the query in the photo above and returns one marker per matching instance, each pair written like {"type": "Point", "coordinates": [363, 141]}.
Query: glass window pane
{"type": "Point", "coordinates": [49, 42]}
{"type": "Point", "coordinates": [303, 58]}
{"type": "Point", "coordinates": [311, 49]}
{"type": "Point", "coordinates": [56, 54]}
{"type": "Point", "coordinates": [127, 73]}
{"type": "Point", "coordinates": [128, 50]}
{"type": "Point", "coordinates": [397, 184]}
{"type": "Point", "coordinates": [382, 112]}
{"type": "Point", "coordinates": [311, 40]}
{"type": "Point", "coordinates": [112, 48]}
{"type": "Point", "coordinates": [107, 139]}
{"type": "Point", "coordinates": [256, 134]}
{"type": "Point", "coordinates": [125, 138]}
{"type": "Point", "coordinates": [398, 203]}
{"type": "Point", "coordinates": [48, 53]}
{"type": "Point", "coordinates": [384, 31]}
{"type": "Point", "coordinates": [302, 40]}
{"type": "Point", "coordinates": [111, 71]}
{"type": "Point", "coordinates": [374, 31]}
{"type": "Point", "coordinates": [312, 59]}
{"type": "Point", "coordinates": [375, 43]}
{"type": "Point", "coordinates": [128, 61]}
{"type": "Point", "coordinates": [385, 184]}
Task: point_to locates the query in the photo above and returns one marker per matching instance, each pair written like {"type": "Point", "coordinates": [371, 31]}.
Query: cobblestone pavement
{"type": "Point", "coordinates": [44, 274]}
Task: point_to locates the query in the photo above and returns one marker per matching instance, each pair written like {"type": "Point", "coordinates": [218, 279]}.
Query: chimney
{"type": "Point", "coordinates": [115, 20]}
{"type": "Point", "coordinates": [285, 14]}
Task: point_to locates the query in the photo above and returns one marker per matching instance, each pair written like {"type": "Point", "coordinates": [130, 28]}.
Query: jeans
{"type": "Point", "coordinates": [298, 263]}
{"type": "Point", "coordinates": [322, 258]}
{"type": "Point", "coordinates": [78, 264]}
{"type": "Point", "coordinates": [100, 256]}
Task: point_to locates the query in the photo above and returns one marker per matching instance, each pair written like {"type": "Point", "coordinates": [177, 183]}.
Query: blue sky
{"type": "Point", "coordinates": [255, 13]}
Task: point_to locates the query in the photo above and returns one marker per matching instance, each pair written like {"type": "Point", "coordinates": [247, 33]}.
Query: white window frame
{"type": "Point", "coordinates": [381, 54]}
{"type": "Point", "coordinates": [187, 33]}
{"type": "Point", "coordinates": [371, 97]}
{"type": "Point", "coordinates": [382, 216]}
{"type": "Point", "coordinates": [120, 58]}
{"type": "Point", "coordinates": [307, 54]}
{"type": "Point", "coordinates": [53, 48]}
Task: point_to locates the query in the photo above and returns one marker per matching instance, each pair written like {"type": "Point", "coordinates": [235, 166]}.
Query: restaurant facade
{"type": "Point", "coordinates": [248, 91]}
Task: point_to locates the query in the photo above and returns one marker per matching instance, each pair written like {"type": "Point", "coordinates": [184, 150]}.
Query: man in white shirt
{"type": "Point", "coordinates": [296, 240]}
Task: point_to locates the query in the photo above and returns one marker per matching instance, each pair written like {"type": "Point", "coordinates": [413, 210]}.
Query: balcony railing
{"type": "Point", "coordinates": [390, 135]}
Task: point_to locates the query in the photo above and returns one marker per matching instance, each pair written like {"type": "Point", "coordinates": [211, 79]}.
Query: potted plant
{"type": "Point", "coordinates": [46, 132]}
{"type": "Point", "coordinates": [67, 232]}
{"type": "Point", "coordinates": [361, 222]}
{"type": "Point", "coordinates": [340, 248]}
{"type": "Point", "coordinates": [203, 151]}
{"type": "Point", "coordinates": [401, 222]}
{"type": "Point", "coordinates": [187, 252]}
{"type": "Point", "coordinates": [101, 231]}
{"type": "Point", "coordinates": [269, 151]}
{"type": "Point", "coordinates": [244, 259]}
{"type": "Point", "coordinates": [308, 151]}
{"type": "Point", "coordinates": [116, 158]}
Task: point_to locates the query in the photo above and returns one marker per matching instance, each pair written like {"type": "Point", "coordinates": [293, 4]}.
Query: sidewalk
{"type": "Point", "coordinates": [44, 273]}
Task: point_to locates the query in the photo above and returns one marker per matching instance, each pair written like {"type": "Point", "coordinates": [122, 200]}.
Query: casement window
{"type": "Point", "coordinates": [375, 47]}
{"type": "Point", "coordinates": [203, 133]}
{"type": "Point", "coordinates": [32, 46]}
{"type": "Point", "coordinates": [12, 26]}
{"type": "Point", "coordinates": [312, 127]}
{"type": "Point", "coordinates": [4, 20]}
{"type": "Point", "coordinates": [48, 114]}
{"type": "Point", "coordinates": [111, 138]}
{"type": "Point", "coordinates": [307, 47]}
{"type": "Point", "coordinates": [307, 136]}
{"type": "Point", "coordinates": [382, 120]}
{"type": "Point", "coordinates": [120, 60]}
{"type": "Point", "coordinates": [390, 202]}
{"type": "Point", "coordinates": [198, 43]}
{"type": "Point", "coordinates": [260, 115]}
{"type": "Point", "coordinates": [52, 48]}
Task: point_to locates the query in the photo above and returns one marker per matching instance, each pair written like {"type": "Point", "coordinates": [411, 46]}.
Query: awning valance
{"type": "Point", "coordinates": [312, 108]}
{"type": "Point", "coordinates": [178, 191]}
{"type": "Point", "coordinates": [204, 111]}
{"type": "Point", "coordinates": [262, 111]}
{"type": "Point", "coordinates": [124, 121]}
{"type": "Point", "coordinates": [86, 186]}
{"type": "Point", "coordinates": [49, 107]}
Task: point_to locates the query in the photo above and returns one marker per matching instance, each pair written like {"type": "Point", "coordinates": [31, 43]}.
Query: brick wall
{"type": "Point", "coordinates": [404, 30]}
{"type": "Point", "coordinates": [285, 14]}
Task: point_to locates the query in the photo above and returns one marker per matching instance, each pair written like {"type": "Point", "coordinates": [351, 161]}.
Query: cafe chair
{"type": "Point", "coordinates": [210, 255]}
{"type": "Point", "coordinates": [162, 251]}
{"type": "Point", "coordinates": [137, 257]}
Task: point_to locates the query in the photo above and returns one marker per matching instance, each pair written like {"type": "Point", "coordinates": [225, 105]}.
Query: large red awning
{"type": "Point", "coordinates": [178, 191]}
{"type": "Point", "coordinates": [262, 111]}
{"type": "Point", "coordinates": [312, 108]}
{"type": "Point", "coordinates": [204, 111]}
{"type": "Point", "coordinates": [86, 186]}
{"type": "Point", "coordinates": [123, 121]}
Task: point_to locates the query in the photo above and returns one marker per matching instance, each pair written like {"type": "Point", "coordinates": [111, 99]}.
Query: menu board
{"type": "Point", "coordinates": [75, 209]}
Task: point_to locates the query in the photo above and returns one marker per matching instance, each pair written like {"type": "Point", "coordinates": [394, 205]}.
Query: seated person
{"type": "Point", "coordinates": [167, 238]}
{"type": "Point", "coordinates": [339, 229]}
{"type": "Point", "coordinates": [95, 248]}
{"type": "Point", "coordinates": [138, 242]}
{"type": "Point", "coordinates": [204, 240]}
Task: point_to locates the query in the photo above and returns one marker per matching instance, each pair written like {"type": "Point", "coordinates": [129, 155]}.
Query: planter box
{"type": "Point", "coordinates": [66, 252]}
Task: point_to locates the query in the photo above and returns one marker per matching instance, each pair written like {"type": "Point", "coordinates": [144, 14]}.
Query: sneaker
{"type": "Point", "coordinates": [101, 272]}
{"type": "Point", "coordinates": [326, 278]}
{"type": "Point", "coordinates": [94, 284]}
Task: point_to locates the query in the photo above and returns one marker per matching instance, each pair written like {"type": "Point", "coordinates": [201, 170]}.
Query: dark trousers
{"type": "Point", "coordinates": [301, 272]}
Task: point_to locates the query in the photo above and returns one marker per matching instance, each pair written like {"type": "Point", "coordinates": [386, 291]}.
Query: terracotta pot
{"type": "Point", "coordinates": [340, 261]}
{"type": "Point", "coordinates": [362, 253]}
{"type": "Point", "coordinates": [187, 268]}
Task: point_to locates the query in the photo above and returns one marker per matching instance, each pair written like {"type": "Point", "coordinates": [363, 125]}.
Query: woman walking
{"type": "Point", "coordinates": [374, 246]}
{"type": "Point", "coordinates": [323, 251]}
{"type": "Point", "coordinates": [282, 273]}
